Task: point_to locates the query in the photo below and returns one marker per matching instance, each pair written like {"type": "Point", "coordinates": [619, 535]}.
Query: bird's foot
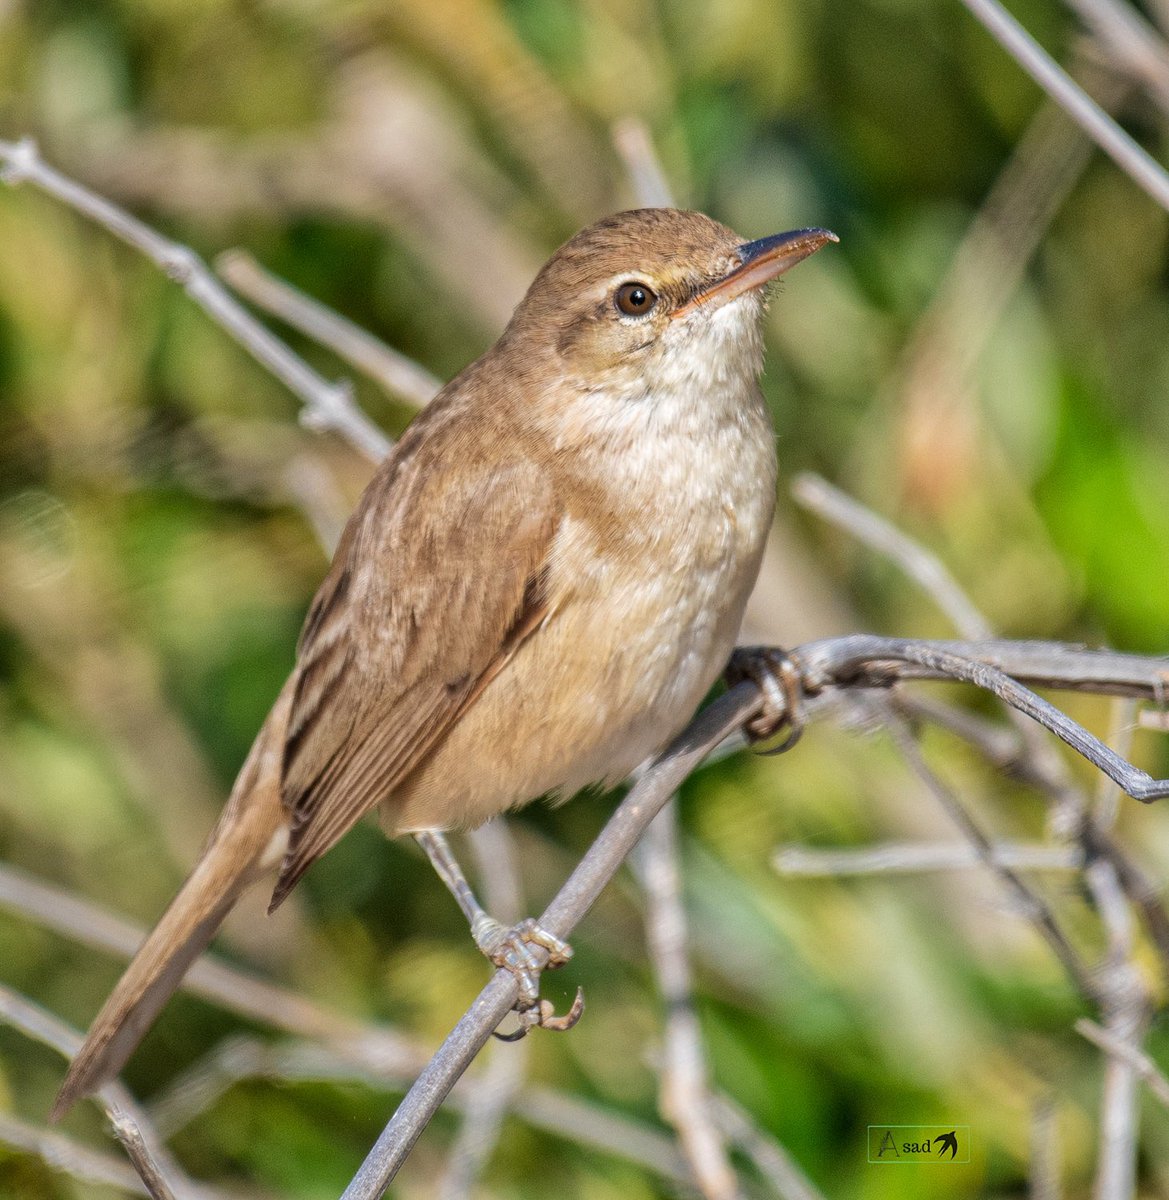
{"type": "Point", "coordinates": [512, 949]}
{"type": "Point", "coordinates": [778, 678]}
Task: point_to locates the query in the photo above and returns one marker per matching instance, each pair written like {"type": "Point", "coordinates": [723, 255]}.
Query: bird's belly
{"type": "Point", "coordinates": [619, 667]}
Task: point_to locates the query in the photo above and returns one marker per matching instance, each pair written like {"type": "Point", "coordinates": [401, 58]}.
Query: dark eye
{"type": "Point", "coordinates": [635, 299]}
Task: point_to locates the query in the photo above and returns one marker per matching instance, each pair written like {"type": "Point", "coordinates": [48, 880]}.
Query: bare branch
{"type": "Point", "coordinates": [69, 1157]}
{"type": "Point", "coordinates": [161, 1175]}
{"type": "Point", "coordinates": [819, 496]}
{"type": "Point", "coordinates": [326, 405]}
{"type": "Point", "coordinates": [483, 1113]}
{"type": "Point", "coordinates": [635, 146]}
{"type": "Point", "coordinates": [685, 1088]}
{"type": "Point", "coordinates": [130, 1136]}
{"type": "Point", "coordinates": [397, 374]}
{"type": "Point", "coordinates": [859, 661]}
{"type": "Point", "coordinates": [906, 858]}
{"type": "Point", "coordinates": [497, 1087]}
{"type": "Point", "coordinates": [1044, 1181]}
{"type": "Point", "coordinates": [210, 977]}
{"type": "Point", "coordinates": [1137, 1059]}
{"type": "Point", "coordinates": [1130, 43]}
{"type": "Point", "coordinates": [772, 1160]}
{"type": "Point", "coordinates": [1033, 906]}
{"type": "Point", "coordinates": [866, 660]}
{"type": "Point", "coordinates": [1125, 1006]}
{"type": "Point", "coordinates": [1141, 167]}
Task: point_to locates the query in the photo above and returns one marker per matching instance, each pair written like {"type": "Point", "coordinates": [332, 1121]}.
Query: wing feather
{"type": "Point", "coordinates": [439, 577]}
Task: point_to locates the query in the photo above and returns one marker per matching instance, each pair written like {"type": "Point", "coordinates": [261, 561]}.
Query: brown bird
{"type": "Point", "coordinates": [538, 586]}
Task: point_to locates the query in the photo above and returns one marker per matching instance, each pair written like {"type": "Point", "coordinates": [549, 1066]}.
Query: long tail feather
{"type": "Point", "coordinates": [248, 841]}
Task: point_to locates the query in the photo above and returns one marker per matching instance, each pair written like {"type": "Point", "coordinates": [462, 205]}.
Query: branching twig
{"type": "Point", "coordinates": [859, 661]}
{"type": "Point", "coordinates": [1137, 1059]}
{"type": "Point", "coordinates": [819, 496]}
{"type": "Point", "coordinates": [159, 1172]}
{"type": "Point", "coordinates": [326, 405]}
{"type": "Point", "coordinates": [397, 374]}
{"type": "Point", "coordinates": [867, 660]}
{"type": "Point", "coordinates": [1032, 905]}
{"type": "Point", "coordinates": [560, 918]}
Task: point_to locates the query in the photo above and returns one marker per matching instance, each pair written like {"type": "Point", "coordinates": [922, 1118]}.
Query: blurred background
{"type": "Point", "coordinates": [984, 359]}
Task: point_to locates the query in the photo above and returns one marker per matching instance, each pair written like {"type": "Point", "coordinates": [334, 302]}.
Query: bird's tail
{"type": "Point", "coordinates": [248, 841]}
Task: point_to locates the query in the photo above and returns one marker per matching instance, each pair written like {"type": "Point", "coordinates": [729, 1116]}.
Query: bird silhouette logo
{"type": "Point", "coordinates": [947, 1141]}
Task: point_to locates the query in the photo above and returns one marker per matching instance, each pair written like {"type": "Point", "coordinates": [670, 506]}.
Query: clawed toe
{"type": "Point", "coordinates": [542, 1015]}
{"type": "Point", "coordinates": [512, 949]}
{"type": "Point", "coordinates": [778, 678]}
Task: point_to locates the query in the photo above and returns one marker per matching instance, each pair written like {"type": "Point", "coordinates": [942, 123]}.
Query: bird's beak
{"type": "Point", "coordinates": [760, 262]}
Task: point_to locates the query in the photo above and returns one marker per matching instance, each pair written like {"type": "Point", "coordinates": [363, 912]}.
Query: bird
{"type": "Point", "coordinates": [537, 588]}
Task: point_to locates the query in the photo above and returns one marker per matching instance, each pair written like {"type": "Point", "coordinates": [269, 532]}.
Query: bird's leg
{"type": "Point", "coordinates": [510, 948]}
{"type": "Point", "coordinates": [778, 678]}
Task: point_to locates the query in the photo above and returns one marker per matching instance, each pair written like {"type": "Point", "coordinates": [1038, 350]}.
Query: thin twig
{"type": "Point", "coordinates": [1141, 167]}
{"type": "Point", "coordinates": [1125, 1007]}
{"type": "Point", "coordinates": [1137, 1059]}
{"type": "Point", "coordinates": [1033, 906]}
{"type": "Point", "coordinates": [632, 139]}
{"type": "Point", "coordinates": [817, 495]}
{"type": "Point", "coordinates": [859, 661]}
{"type": "Point", "coordinates": [497, 1087]}
{"type": "Point", "coordinates": [685, 1088]}
{"type": "Point", "coordinates": [1044, 1179]}
{"type": "Point", "coordinates": [130, 1136]}
{"type": "Point", "coordinates": [911, 858]}
{"type": "Point", "coordinates": [239, 1058]}
{"type": "Point", "coordinates": [867, 660]}
{"type": "Point", "coordinates": [685, 1096]}
{"type": "Point", "coordinates": [161, 1175]}
{"type": "Point", "coordinates": [326, 405]}
{"type": "Point", "coordinates": [397, 374]}
{"type": "Point", "coordinates": [774, 1163]}
{"type": "Point", "coordinates": [210, 977]}
{"type": "Point", "coordinates": [1130, 43]}
{"type": "Point", "coordinates": [63, 1154]}
{"type": "Point", "coordinates": [1035, 758]}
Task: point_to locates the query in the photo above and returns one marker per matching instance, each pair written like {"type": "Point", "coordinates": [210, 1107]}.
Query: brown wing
{"type": "Point", "coordinates": [440, 575]}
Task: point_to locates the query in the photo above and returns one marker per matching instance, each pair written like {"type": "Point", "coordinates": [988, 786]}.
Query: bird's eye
{"type": "Point", "coordinates": [635, 299]}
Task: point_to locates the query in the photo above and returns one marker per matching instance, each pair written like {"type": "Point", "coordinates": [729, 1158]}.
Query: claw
{"type": "Point", "coordinates": [543, 1016]}
{"type": "Point", "coordinates": [778, 678]}
{"type": "Point", "coordinates": [511, 949]}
